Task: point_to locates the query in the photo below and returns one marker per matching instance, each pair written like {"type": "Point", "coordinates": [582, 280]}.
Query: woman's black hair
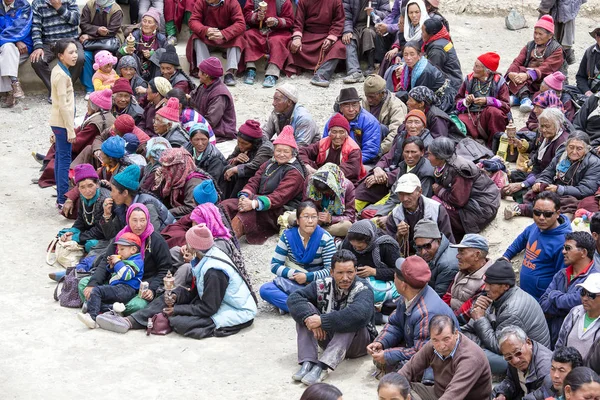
{"type": "Point", "coordinates": [396, 380]}
{"type": "Point", "coordinates": [61, 46]}
{"type": "Point", "coordinates": [580, 376]}
{"type": "Point", "coordinates": [413, 44]}
{"type": "Point", "coordinates": [320, 185]}
{"type": "Point", "coordinates": [303, 206]}
{"type": "Point", "coordinates": [359, 237]}
{"type": "Point", "coordinates": [179, 95]}
{"type": "Point", "coordinates": [321, 391]}
{"type": "Point", "coordinates": [416, 140]}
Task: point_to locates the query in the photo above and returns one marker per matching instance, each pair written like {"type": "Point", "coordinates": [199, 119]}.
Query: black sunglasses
{"type": "Point", "coordinates": [591, 295]}
{"type": "Point", "coordinates": [546, 214]}
{"type": "Point", "coordinates": [426, 246]}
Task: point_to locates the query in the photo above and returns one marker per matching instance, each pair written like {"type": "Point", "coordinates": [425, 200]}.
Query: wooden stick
{"type": "Point", "coordinates": [369, 16]}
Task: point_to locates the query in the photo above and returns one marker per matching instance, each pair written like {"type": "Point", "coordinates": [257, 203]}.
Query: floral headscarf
{"type": "Point", "coordinates": [156, 146]}
{"type": "Point", "coordinates": [548, 99]}
{"type": "Point", "coordinates": [331, 175]}
{"type": "Point", "coordinates": [147, 232]}
{"type": "Point", "coordinates": [177, 167]}
{"type": "Point", "coordinates": [423, 94]}
{"type": "Point", "coordinates": [209, 214]}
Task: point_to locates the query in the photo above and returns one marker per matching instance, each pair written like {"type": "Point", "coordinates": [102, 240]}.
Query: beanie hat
{"type": "Point", "coordinates": [286, 137]}
{"type": "Point", "coordinates": [340, 121]}
{"type": "Point", "coordinates": [102, 99]}
{"type": "Point", "coordinates": [373, 84]}
{"type": "Point", "coordinates": [199, 238]}
{"type": "Point", "coordinates": [546, 22]}
{"type": "Point", "coordinates": [154, 14]}
{"type": "Point", "coordinates": [289, 91]}
{"type": "Point", "coordinates": [129, 178]}
{"type": "Point", "coordinates": [160, 85]}
{"type": "Point", "coordinates": [171, 110]}
{"type": "Point", "coordinates": [169, 56]}
{"type": "Point", "coordinates": [83, 172]}
{"type": "Point", "coordinates": [418, 114]}
{"type": "Point", "coordinates": [251, 128]}
{"type": "Point", "coordinates": [490, 60]}
{"type": "Point", "coordinates": [427, 229]}
{"type": "Point", "coordinates": [131, 143]}
{"type": "Point", "coordinates": [122, 85]}
{"type": "Point", "coordinates": [206, 192]}
{"type": "Point", "coordinates": [212, 67]}
{"type": "Point", "coordinates": [500, 272]}
{"type": "Point", "coordinates": [199, 127]}
{"type": "Point", "coordinates": [103, 58]}
{"type": "Point", "coordinates": [434, 3]}
{"type": "Point", "coordinates": [129, 239]}
{"type": "Point", "coordinates": [124, 123]}
{"type": "Point", "coordinates": [433, 26]}
{"type": "Point", "coordinates": [414, 271]}
{"type": "Point", "coordinates": [114, 147]}
{"type": "Point", "coordinates": [555, 81]}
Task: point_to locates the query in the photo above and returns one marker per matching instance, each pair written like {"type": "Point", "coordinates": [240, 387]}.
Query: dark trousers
{"type": "Point", "coordinates": [42, 66]}
{"type": "Point", "coordinates": [108, 294]}
{"type": "Point", "coordinates": [383, 44]}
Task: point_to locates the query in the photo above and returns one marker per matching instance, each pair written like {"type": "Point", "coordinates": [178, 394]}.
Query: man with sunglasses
{"type": "Point", "coordinates": [543, 244]}
{"type": "Point", "coordinates": [504, 304]}
{"type": "Point", "coordinates": [528, 365]}
{"type": "Point", "coordinates": [582, 325]}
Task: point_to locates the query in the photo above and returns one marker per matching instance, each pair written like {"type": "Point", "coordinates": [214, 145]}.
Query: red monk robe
{"type": "Point", "coordinates": [317, 20]}
{"type": "Point", "coordinates": [228, 17]}
{"type": "Point", "coordinates": [256, 45]}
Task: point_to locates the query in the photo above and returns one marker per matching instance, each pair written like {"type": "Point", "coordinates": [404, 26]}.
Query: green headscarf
{"type": "Point", "coordinates": [331, 175]}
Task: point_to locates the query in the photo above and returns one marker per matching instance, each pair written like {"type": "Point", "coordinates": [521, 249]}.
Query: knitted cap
{"type": "Point", "coordinates": [103, 58]}
{"type": "Point", "coordinates": [427, 229]}
{"type": "Point", "coordinates": [340, 121]}
{"type": "Point", "coordinates": [199, 238]}
{"type": "Point", "coordinates": [415, 271]}
{"type": "Point", "coordinates": [153, 13]}
{"type": "Point", "coordinates": [434, 3]}
{"type": "Point", "coordinates": [418, 114]}
{"type": "Point", "coordinates": [129, 178]}
{"type": "Point", "coordinates": [160, 85]}
{"type": "Point", "coordinates": [122, 85]}
{"type": "Point", "coordinates": [85, 171]}
{"type": "Point", "coordinates": [546, 22]}
{"type": "Point", "coordinates": [171, 110]}
{"type": "Point", "coordinates": [205, 192]}
{"type": "Point", "coordinates": [490, 60]}
{"type": "Point", "coordinates": [114, 147]}
{"type": "Point", "coordinates": [286, 137]}
{"type": "Point", "coordinates": [212, 67]}
{"type": "Point", "coordinates": [289, 91]}
{"type": "Point", "coordinates": [500, 272]}
{"type": "Point", "coordinates": [373, 84]}
{"type": "Point", "coordinates": [555, 81]}
{"type": "Point", "coordinates": [251, 128]}
{"type": "Point", "coordinates": [131, 143]}
{"type": "Point", "coordinates": [124, 123]}
{"type": "Point", "coordinates": [102, 99]}
{"type": "Point", "coordinates": [129, 239]}
{"type": "Point", "coordinates": [199, 127]}
{"type": "Point", "coordinates": [169, 56]}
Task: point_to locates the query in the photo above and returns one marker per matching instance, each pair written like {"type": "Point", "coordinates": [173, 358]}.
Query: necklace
{"type": "Point", "coordinates": [438, 171]}
{"type": "Point", "coordinates": [535, 51]}
{"type": "Point", "coordinates": [482, 88]}
{"type": "Point", "coordinates": [87, 213]}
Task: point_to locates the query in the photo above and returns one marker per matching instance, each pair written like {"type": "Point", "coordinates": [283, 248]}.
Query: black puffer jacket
{"type": "Point", "coordinates": [515, 307]}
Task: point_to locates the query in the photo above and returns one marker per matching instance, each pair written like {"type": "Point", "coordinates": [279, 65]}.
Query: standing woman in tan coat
{"type": "Point", "coordinates": [62, 115]}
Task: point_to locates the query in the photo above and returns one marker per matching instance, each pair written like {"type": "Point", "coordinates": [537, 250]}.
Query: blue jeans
{"type": "Point", "coordinates": [62, 161]}
{"type": "Point", "coordinates": [88, 72]}
{"type": "Point", "coordinates": [270, 293]}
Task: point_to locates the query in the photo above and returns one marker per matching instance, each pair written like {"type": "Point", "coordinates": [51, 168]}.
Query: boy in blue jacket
{"type": "Point", "coordinates": [543, 243]}
{"type": "Point", "coordinates": [127, 269]}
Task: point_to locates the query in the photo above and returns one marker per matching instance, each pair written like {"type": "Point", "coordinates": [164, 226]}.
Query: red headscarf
{"type": "Point", "coordinates": [177, 167]}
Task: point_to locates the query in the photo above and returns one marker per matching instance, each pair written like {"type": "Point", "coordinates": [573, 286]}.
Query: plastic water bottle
{"type": "Point", "coordinates": [377, 20]}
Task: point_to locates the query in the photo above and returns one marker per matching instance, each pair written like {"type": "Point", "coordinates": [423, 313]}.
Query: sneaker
{"type": "Point", "coordinates": [111, 322]}
{"type": "Point", "coordinates": [526, 106]}
{"type": "Point", "coordinates": [514, 100]}
{"type": "Point", "coordinates": [270, 81]}
{"type": "Point", "coordinates": [229, 80]}
{"type": "Point", "coordinates": [354, 77]}
{"type": "Point", "coordinates": [250, 77]}
{"type": "Point", "coordinates": [319, 80]}
{"type": "Point", "coordinates": [119, 308]}
{"type": "Point", "coordinates": [17, 90]}
{"type": "Point", "coordinates": [87, 320]}
{"type": "Point", "coordinates": [316, 375]}
{"type": "Point", "coordinates": [87, 96]}
{"type": "Point", "coordinates": [172, 40]}
{"type": "Point", "coordinates": [512, 211]}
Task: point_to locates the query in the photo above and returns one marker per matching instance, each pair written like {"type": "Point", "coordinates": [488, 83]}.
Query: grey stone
{"type": "Point", "coordinates": [515, 20]}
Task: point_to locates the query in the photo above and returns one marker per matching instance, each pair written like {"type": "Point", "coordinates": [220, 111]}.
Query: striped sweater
{"type": "Point", "coordinates": [318, 268]}
{"type": "Point", "coordinates": [50, 25]}
{"type": "Point", "coordinates": [128, 272]}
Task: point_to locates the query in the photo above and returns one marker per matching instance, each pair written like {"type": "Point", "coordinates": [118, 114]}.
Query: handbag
{"type": "Point", "coordinates": [159, 325]}
{"type": "Point", "coordinates": [69, 294]}
{"type": "Point", "coordinates": [382, 291]}
{"type": "Point", "coordinates": [67, 254]}
{"type": "Point", "coordinates": [111, 44]}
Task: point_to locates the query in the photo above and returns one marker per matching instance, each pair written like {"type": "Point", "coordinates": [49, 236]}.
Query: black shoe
{"type": "Point", "coordinates": [229, 80]}
{"type": "Point", "coordinates": [304, 369]}
{"type": "Point", "coordinates": [570, 56]}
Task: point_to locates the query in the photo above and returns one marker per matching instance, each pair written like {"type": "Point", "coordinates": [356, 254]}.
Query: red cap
{"type": "Point", "coordinates": [340, 121]}
{"type": "Point", "coordinates": [415, 272]}
{"type": "Point", "coordinates": [171, 110]}
{"type": "Point", "coordinates": [490, 60]}
{"type": "Point", "coordinates": [124, 123]}
{"type": "Point", "coordinates": [122, 86]}
{"type": "Point", "coordinates": [251, 128]}
{"type": "Point", "coordinates": [286, 137]}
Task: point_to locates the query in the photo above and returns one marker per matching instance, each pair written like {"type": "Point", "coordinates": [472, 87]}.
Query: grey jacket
{"type": "Point", "coordinates": [178, 137]}
{"type": "Point", "coordinates": [580, 180]}
{"type": "Point", "coordinates": [571, 321]}
{"type": "Point", "coordinates": [539, 368]}
{"type": "Point", "coordinates": [305, 128]}
{"type": "Point", "coordinates": [352, 9]}
{"type": "Point", "coordinates": [515, 307]}
{"type": "Point", "coordinates": [444, 267]}
{"type": "Point", "coordinates": [561, 10]}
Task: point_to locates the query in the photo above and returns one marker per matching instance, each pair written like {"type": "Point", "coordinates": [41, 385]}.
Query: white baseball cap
{"type": "Point", "coordinates": [408, 183]}
{"type": "Point", "coordinates": [592, 283]}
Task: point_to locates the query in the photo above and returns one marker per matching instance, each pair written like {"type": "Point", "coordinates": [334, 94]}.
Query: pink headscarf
{"type": "Point", "coordinates": [209, 214]}
{"type": "Point", "coordinates": [147, 232]}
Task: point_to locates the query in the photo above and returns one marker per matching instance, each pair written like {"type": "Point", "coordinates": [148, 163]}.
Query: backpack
{"type": "Point", "coordinates": [69, 294]}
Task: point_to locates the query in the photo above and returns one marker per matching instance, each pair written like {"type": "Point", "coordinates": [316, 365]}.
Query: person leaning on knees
{"type": "Point", "coordinates": [459, 367]}
{"type": "Point", "coordinates": [335, 313]}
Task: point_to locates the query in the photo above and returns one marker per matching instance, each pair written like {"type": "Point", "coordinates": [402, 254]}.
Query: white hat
{"type": "Point", "coordinates": [408, 183]}
{"type": "Point", "coordinates": [289, 91]}
{"type": "Point", "coordinates": [592, 283]}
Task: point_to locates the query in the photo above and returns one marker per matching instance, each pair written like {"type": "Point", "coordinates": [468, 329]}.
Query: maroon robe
{"type": "Point", "coordinates": [174, 234]}
{"type": "Point", "coordinates": [228, 17]}
{"type": "Point", "coordinates": [317, 20]}
{"type": "Point", "coordinates": [542, 68]}
{"type": "Point", "coordinates": [275, 42]}
{"type": "Point", "coordinates": [215, 103]}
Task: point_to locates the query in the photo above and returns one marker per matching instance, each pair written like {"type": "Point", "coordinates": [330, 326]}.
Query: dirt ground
{"type": "Point", "coordinates": [46, 353]}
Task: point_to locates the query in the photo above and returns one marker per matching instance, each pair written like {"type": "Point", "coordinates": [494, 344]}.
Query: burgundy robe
{"type": "Point", "coordinates": [275, 42]}
{"type": "Point", "coordinates": [543, 68]}
{"type": "Point", "coordinates": [228, 17]}
{"type": "Point", "coordinates": [215, 103]}
{"type": "Point", "coordinates": [351, 168]}
{"type": "Point", "coordinates": [317, 20]}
